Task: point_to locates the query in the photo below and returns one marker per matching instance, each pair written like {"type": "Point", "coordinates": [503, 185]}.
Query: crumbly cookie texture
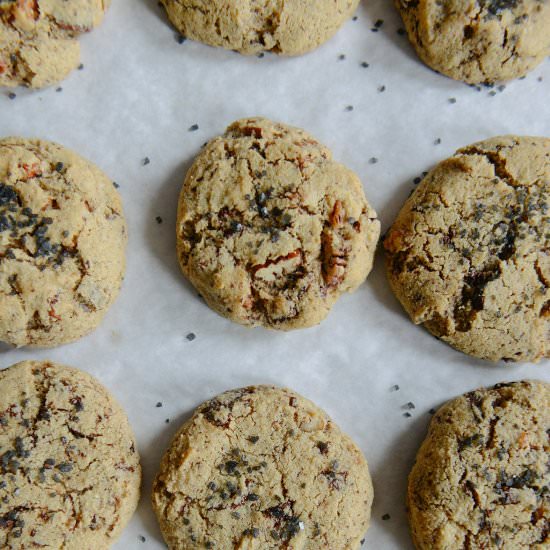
{"type": "Point", "coordinates": [38, 38]}
{"type": "Point", "coordinates": [481, 478]}
{"type": "Point", "coordinates": [62, 242]}
{"type": "Point", "coordinates": [248, 26]}
{"type": "Point", "coordinates": [69, 469]}
{"type": "Point", "coordinates": [271, 230]}
{"type": "Point", "coordinates": [262, 467]}
{"type": "Point", "coordinates": [469, 253]}
{"type": "Point", "coordinates": [479, 41]}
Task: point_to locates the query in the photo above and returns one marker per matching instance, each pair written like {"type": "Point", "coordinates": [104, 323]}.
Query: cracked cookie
{"type": "Point", "coordinates": [469, 253]}
{"type": "Point", "coordinates": [62, 242]}
{"type": "Point", "coordinates": [262, 467]}
{"type": "Point", "coordinates": [481, 478]}
{"type": "Point", "coordinates": [479, 41]}
{"type": "Point", "coordinates": [69, 469]}
{"type": "Point", "coordinates": [38, 38]}
{"type": "Point", "coordinates": [271, 230]}
{"type": "Point", "coordinates": [288, 27]}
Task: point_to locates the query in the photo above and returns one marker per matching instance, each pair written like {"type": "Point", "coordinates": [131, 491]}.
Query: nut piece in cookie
{"type": "Point", "coordinates": [289, 27]}
{"type": "Point", "coordinates": [38, 38]}
{"type": "Point", "coordinates": [262, 467]}
{"type": "Point", "coordinates": [480, 41]}
{"type": "Point", "coordinates": [69, 468]}
{"type": "Point", "coordinates": [481, 478]}
{"type": "Point", "coordinates": [271, 230]}
{"type": "Point", "coordinates": [62, 243]}
{"type": "Point", "coordinates": [469, 254]}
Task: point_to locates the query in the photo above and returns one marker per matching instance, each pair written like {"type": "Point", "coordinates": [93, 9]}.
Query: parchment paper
{"type": "Point", "coordinates": [137, 96]}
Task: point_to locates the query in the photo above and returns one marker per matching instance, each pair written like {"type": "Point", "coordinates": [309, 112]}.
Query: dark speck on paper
{"type": "Point", "coordinates": [158, 219]}
{"type": "Point", "coordinates": [349, 108]}
{"type": "Point", "coordinates": [364, 64]}
{"type": "Point", "coordinates": [180, 39]}
{"type": "Point", "coordinates": [386, 517]}
{"type": "Point", "coordinates": [158, 405]}
{"type": "Point", "coordinates": [381, 88]}
{"type": "Point", "coordinates": [12, 95]}
{"type": "Point", "coordinates": [373, 160]}
{"type": "Point", "coordinates": [341, 57]}
{"type": "Point", "coordinates": [395, 387]}
{"type": "Point", "coordinates": [437, 141]}
{"type": "Point", "coordinates": [193, 128]}
{"type": "Point", "coordinates": [146, 161]}
{"type": "Point", "coordinates": [191, 336]}
{"type": "Point", "coordinates": [407, 414]}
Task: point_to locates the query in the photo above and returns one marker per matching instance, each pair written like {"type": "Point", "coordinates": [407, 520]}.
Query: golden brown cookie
{"type": "Point", "coordinates": [62, 241]}
{"type": "Point", "coordinates": [69, 469]}
{"type": "Point", "coordinates": [38, 38]}
{"type": "Point", "coordinates": [262, 467]}
{"type": "Point", "coordinates": [287, 27]}
{"type": "Point", "coordinates": [481, 478]}
{"type": "Point", "coordinates": [271, 230]}
{"type": "Point", "coordinates": [479, 41]}
{"type": "Point", "coordinates": [469, 253]}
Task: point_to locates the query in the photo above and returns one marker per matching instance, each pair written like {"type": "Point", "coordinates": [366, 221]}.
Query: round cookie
{"type": "Point", "coordinates": [468, 255]}
{"type": "Point", "coordinates": [262, 467]}
{"type": "Point", "coordinates": [271, 230]}
{"type": "Point", "coordinates": [38, 38]}
{"type": "Point", "coordinates": [288, 27]}
{"type": "Point", "coordinates": [479, 41]}
{"type": "Point", "coordinates": [69, 469]}
{"type": "Point", "coordinates": [481, 478]}
{"type": "Point", "coordinates": [62, 241]}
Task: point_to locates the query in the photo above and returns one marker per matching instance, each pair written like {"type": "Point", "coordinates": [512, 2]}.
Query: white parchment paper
{"type": "Point", "coordinates": [136, 97]}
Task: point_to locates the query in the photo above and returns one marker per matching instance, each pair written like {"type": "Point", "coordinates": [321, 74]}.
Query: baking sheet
{"type": "Point", "coordinates": [137, 96]}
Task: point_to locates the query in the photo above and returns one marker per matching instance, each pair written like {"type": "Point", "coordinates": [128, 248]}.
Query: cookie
{"type": "Point", "coordinates": [468, 255]}
{"type": "Point", "coordinates": [262, 467]}
{"type": "Point", "coordinates": [479, 41]}
{"type": "Point", "coordinates": [249, 27]}
{"type": "Point", "coordinates": [62, 242]}
{"type": "Point", "coordinates": [69, 469]}
{"type": "Point", "coordinates": [38, 38]}
{"type": "Point", "coordinates": [271, 230]}
{"type": "Point", "coordinates": [481, 478]}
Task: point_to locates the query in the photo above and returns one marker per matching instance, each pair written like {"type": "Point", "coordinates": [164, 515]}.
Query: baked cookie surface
{"type": "Point", "coordinates": [481, 478]}
{"type": "Point", "coordinates": [38, 38]}
{"type": "Point", "coordinates": [290, 27]}
{"type": "Point", "coordinates": [262, 467]}
{"type": "Point", "coordinates": [271, 230]}
{"type": "Point", "coordinates": [69, 469]}
{"type": "Point", "coordinates": [479, 41]}
{"type": "Point", "coordinates": [468, 255]}
{"type": "Point", "coordinates": [62, 242]}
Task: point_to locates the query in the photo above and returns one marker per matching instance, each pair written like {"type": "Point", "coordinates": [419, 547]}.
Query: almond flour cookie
{"type": "Point", "coordinates": [271, 230]}
{"type": "Point", "coordinates": [479, 41]}
{"type": "Point", "coordinates": [38, 38]}
{"type": "Point", "coordinates": [469, 253]}
{"type": "Point", "coordinates": [290, 27]}
{"type": "Point", "coordinates": [69, 469]}
{"type": "Point", "coordinates": [481, 478]}
{"type": "Point", "coordinates": [62, 241]}
{"type": "Point", "coordinates": [262, 467]}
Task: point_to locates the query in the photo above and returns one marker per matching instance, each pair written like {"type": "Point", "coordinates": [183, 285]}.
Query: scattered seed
{"type": "Point", "coordinates": [431, 411]}
{"type": "Point", "coordinates": [452, 100]}
{"type": "Point", "coordinates": [142, 538]}
{"type": "Point", "coordinates": [341, 57]}
{"type": "Point", "coordinates": [401, 32]}
{"type": "Point", "coordinates": [407, 414]}
{"type": "Point", "coordinates": [364, 64]}
{"type": "Point", "coordinates": [492, 93]}
{"type": "Point", "coordinates": [146, 161]}
{"type": "Point", "coordinates": [260, 55]}
{"type": "Point", "coordinates": [115, 185]}
{"type": "Point", "coordinates": [386, 517]}
{"type": "Point", "coordinates": [395, 387]}
{"type": "Point", "coordinates": [12, 95]}
{"type": "Point", "coordinates": [437, 141]}
{"type": "Point", "coordinates": [59, 167]}
{"type": "Point", "coordinates": [410, 405]}
{"type": "Point", "coordinates": [193, 128]}
{"type": "Point", "coordinates": [191, 336]}
{"type": "Point", "coordinates": [379, 23]}
{"type": "Point", "coordinates": [373, 160]}
{"type": "Point", "coordinates": [158, 405]}
{"type": "Point", "coordinates": [167, 421]}
{"type": "Point", "coordinates": [59, 89]}
{"type": "Point", "coordinates": [381, 88]}
{"type": "Point", "coordinates": [349, 108]}
{"type": "Point", "coordinates": [158, 219]}
{"type": "Point", "coordinates": [180, 39]}
{"type": "Point", "coordinates": [81, 66]}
